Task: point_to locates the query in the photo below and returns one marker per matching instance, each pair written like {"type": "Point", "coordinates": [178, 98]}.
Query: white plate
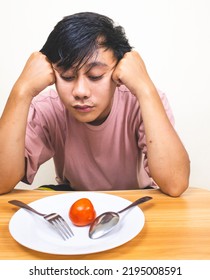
{"type": "Point", "coordinates": [33, 232]}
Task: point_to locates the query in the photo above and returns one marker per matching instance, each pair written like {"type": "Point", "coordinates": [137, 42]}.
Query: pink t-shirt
{"type": "Point", "coordinates": [110, 156]}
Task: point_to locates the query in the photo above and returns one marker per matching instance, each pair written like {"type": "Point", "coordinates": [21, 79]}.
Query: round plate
{"type": "Point", "coordinates": [32, 231]}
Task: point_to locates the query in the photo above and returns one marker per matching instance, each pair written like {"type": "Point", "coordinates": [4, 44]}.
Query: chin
{"type": "Point", "coordinates": [84, 119]}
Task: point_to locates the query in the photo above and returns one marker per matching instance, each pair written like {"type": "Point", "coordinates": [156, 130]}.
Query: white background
{"type": "Point", "coordinates": [173, 37]}
{"type": "Point", "coordinates": [136, 269]}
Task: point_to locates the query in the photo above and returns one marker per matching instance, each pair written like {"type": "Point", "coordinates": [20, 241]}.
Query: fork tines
{"type": "Point", "coordinates": [60, 225]}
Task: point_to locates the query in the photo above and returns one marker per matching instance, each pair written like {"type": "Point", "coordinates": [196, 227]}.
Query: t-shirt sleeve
{"type": "Point", "coordinates": [38, 147]}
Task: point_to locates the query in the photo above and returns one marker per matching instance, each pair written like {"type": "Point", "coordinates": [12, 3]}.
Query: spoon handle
{"type": "Point", "coordinates": [136, 202]}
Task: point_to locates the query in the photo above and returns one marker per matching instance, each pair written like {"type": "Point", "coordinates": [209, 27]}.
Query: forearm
{"type": "Point", "coordinates": [35, 77]}
{"type": "Point", "coordinates": [12, 140]}
{"type": "Point", "coordinates": [168, 160]}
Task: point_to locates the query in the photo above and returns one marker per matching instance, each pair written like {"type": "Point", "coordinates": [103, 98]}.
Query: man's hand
{"type": "Point", "coordinates": [36, 75]}
{"type": "Point", "coordinates": [131, 72]}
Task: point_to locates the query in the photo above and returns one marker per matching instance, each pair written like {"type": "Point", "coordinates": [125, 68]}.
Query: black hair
{"type": "Point", "coordinates": [76, 37]}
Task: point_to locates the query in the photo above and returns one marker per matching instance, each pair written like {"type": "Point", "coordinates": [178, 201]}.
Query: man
{"type": "Point", "coordinates": [106, 126]}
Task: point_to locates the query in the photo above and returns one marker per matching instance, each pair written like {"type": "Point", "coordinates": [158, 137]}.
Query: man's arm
{"type": "Point", "coordinates": [168, 160]}
{"type": "Point", "coordinates": [36, 76]}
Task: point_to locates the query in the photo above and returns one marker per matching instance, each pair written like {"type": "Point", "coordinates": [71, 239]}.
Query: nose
{"type": "Point", "coordinates": [81, 89]}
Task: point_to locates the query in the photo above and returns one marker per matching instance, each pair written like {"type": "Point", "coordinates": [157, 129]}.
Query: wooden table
{"type": "Point", "coordinates": [175, 228]}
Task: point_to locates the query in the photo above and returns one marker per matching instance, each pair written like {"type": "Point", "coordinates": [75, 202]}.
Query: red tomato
{"type": "Point", "coordinates": [82, 212]}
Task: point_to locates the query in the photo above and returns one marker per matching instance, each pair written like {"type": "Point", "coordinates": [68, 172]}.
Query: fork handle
{"type": "Point", "coordinates": [26, 206]}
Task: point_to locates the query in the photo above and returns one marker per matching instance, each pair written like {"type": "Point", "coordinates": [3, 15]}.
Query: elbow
{"type": "Point", "coordinates": [6, 188]}
{"type": "Point", "coordinates": [11, 174]}
{"type": "Point", "coordinates": [176, 185]}
{"type": "Point", "coordinates": [8, 184]}
{"type": "Point", "coordinates": [176, 190]}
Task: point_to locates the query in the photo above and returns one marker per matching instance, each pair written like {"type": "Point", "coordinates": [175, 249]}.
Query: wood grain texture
{"type": "Point", "coordinates": [175, 228]}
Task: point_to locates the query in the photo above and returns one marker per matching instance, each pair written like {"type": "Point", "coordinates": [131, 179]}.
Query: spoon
{"type": "Point", "coordinates": [105, 222]}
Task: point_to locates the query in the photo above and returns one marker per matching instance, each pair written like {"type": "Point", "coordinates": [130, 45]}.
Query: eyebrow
{"type": "Point", "coordinates": [88, 66]}
{"type": "Point", "coordinates": [93, 64]}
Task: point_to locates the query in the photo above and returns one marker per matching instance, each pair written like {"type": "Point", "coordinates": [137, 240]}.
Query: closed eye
{"type": "Point", "coordinates": [95, 78]}
{"type": "Point", "coordinates": [68, 78]}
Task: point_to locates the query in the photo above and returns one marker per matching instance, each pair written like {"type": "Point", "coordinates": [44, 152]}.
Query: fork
{"type": "Point", "coordinates": [58, 222]}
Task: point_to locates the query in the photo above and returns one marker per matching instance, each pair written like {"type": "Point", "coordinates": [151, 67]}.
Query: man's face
{"type": "Point", "coordinates": [88, 92]}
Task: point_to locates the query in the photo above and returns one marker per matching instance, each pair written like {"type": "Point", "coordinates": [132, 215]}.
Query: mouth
{"type": "Point", "coordinates": [83, 108]}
